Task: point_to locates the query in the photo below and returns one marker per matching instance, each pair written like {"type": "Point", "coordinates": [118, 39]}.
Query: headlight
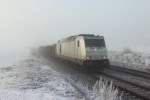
{"type": "Point", "coordinates": [87, 58]}
{"type": "Point", "coordinates": [104, 57]}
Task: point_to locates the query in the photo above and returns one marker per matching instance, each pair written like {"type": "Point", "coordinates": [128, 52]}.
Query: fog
{"type": "Point", "coordinates": [30, 23]}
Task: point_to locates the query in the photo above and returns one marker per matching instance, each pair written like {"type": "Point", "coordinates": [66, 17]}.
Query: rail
{"type": "Point", "coordinates": [135, 82]}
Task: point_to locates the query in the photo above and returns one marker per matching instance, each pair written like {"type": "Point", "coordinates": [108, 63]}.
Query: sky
{"type": "Point", "coordinates": [28, 23]}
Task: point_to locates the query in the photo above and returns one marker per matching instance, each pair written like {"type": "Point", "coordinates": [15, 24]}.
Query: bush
{"type": "Point", "coordinates": [104, 90]}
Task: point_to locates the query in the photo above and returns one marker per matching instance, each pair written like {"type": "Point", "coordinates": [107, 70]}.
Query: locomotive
{"type": "Point", "coordinates": [82, 49]}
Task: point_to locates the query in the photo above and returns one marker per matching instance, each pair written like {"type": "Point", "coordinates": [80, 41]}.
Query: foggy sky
{"type": "Point", "coordinates": [26, 23]}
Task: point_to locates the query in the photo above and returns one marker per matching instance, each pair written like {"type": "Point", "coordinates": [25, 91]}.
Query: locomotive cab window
{"type": "Point", "coordinates": [94, 42]}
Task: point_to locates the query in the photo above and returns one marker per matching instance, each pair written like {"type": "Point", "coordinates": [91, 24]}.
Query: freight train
{"type": "Point", "coordinates": [83, 49]}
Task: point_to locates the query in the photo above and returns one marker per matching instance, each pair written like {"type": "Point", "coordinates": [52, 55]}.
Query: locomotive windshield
{"type": "Point", "coordinates": [94, 43]}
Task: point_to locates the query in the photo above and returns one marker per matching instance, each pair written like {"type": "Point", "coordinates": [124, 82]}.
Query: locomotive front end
{"type": "Point", "coordinates": [96, 51]}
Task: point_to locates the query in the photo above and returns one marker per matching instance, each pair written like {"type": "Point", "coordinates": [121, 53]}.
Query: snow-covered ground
{"type": "Point", "coordinates": [130, 58]}
{"type": "Point", "coordinates": [38, 78]}
{"type": "Point", "coordinates": [33, 80]}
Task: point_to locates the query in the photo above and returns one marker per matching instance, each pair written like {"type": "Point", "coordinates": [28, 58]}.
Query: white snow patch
{"type": "Point", "coordinates": [130, 58]}
{"type": "Point", "coordinates": [28, 95]}
{"type": "Point", "coordinates": [33, 80]}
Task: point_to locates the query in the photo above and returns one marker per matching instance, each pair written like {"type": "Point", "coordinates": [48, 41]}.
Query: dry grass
{"type": "Point", "coordinates": [104, 90]}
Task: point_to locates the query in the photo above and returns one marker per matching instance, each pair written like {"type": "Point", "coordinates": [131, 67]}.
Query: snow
{"type": "Point", "coordinates": [130, 58]}
{"type": "Point", "coordinates": [27, 95]}
{"type": "Point", "coordinates": [33, 80]}
{"type": "Point", "coordinates": [37, 78]}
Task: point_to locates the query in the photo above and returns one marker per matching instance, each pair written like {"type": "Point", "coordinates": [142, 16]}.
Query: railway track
{"type": "Point", "coordinates": [131, 71]}
{"type": "Point", "coordinates": [135, 82]}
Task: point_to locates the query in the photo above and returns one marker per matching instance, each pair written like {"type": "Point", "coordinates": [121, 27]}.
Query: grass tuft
{"type": "Point", "coordinates": [104, 90]}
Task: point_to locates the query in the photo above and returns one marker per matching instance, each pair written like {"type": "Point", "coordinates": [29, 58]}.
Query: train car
{"type": "Point", "coordinates": [83, 49]}
{"type": "Point", "coordinates": [52, 50]}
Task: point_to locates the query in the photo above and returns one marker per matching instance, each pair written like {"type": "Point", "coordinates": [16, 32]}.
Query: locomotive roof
{"type": "Point", "coordinates": [86, 35]}
{"type": "Point", "coordinates": [74, 37]}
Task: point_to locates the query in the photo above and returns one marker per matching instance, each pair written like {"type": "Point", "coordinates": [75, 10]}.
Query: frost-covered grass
{"type": "Point", "coordinates": [8, 94]}
{"type": "Point", "coordinates": [104, 90]}
{"type": "Point", "coordinates": [101, 90]}
{"type": "Point", "coordinates": [130, 58]}
{"type": "Point", "coordinates": [32, 79]}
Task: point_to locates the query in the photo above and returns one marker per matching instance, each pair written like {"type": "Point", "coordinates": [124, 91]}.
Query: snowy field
{"type": "Point", "coordinates": [39, 78]}
{"type": "Point", "coordinates": [131, 59]}
{"type": "Point", "coordinates": [36, 77]}
{"type": "Point", "coordinates": [32, 80]}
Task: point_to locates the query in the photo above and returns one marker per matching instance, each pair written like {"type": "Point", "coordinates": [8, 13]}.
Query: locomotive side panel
{"type": "Point", "coordinates": [80, 49]}
{"type": "Point", "coordinates": [52, 50]}
{"type": "Point", "coordinates": [72, 50]}
{"type": "Point", "coordinates": [68, 49]}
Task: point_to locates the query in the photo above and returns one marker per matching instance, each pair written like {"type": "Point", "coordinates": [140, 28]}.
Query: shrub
{"type": "Point", "coordinates": [104, 90]}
